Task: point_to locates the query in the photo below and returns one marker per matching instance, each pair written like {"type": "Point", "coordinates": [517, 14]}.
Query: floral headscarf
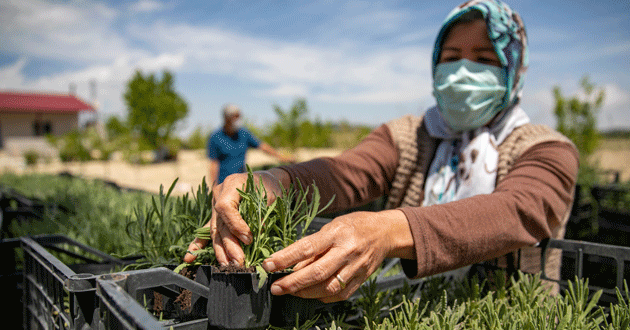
{"type": "Point", "coordinates": [506, 32]}
{"type": "Point", "coordinates": [465, 164]}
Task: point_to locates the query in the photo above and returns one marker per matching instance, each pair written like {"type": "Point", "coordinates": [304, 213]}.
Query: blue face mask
{"type": "Point", "coordinates": [469, 94]}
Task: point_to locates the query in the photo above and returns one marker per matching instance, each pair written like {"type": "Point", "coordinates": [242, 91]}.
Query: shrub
{"type": "Point", "coordinates": [31, 157]}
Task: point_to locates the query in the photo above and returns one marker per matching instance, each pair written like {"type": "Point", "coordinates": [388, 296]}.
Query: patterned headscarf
{"type": "Point", "coordinates": [506, 32]}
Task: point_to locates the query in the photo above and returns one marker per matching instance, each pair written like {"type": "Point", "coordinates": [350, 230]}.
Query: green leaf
{"type": "Point", "coordinates": [175, 248]}
{"type": "Point", "coordinates": [262, 276]}
{"type": "Point", "coordinates": [265, 252]}
{"type": "Point", "coordinates": [180, 267]}
{"type": "Point", "coordinates": [203, 233]}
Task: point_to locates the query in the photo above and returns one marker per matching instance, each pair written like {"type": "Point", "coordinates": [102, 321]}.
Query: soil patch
{"type": "Point", "coordinates": [185, 300]}
{"type": "Point", "coordinates": [157, 303]}
{"type": "Point", "coordinates": [236, 269]}
{"type": "Point", "coordinates": [185, 297]}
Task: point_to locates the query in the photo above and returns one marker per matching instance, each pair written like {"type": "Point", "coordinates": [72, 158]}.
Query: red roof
{"type": "Point", "coordinates": [34, 102]}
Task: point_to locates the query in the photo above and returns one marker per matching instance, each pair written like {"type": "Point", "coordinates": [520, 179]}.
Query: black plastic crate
{"type": "Point", "coordinates": [121, 302]}
{"type": "Point", "coordinates": [17, 207]}
{"type": "Point", "coordinates": [56, 295]}
{"type": "Point", "coordinates": [600, 215]}
{"type": "Point", "coordinates": [125, 299]}
{"type": "Point", "coordinates": [605, 266]}
{"type": "Point", "coordinates": [11, 282]}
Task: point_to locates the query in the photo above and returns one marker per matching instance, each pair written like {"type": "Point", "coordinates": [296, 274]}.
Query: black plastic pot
{"type": "Point", "coordinates": [236, 302]}
{"type": "Point", "coordinates": [199, 303]}
{"type": "Point", "coordinates": [288, 310]}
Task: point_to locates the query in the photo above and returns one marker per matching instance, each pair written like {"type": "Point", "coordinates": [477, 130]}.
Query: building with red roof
{"type": "Point", "coordinates": [26, 118]}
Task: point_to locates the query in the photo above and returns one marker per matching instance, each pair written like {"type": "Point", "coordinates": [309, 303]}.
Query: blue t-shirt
{"type": "Point", "coordinates": [230, 151]}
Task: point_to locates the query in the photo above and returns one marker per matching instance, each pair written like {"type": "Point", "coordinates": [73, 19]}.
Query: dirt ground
{"type": "Point", "coordinates": [616, 160]}
{"type": "Point", "coordinates": [191, 167]}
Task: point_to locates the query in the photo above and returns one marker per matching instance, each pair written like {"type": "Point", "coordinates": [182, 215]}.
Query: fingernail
{"type": "Point", "coordinates": [276, 290]}
{"type": "Point", "coordinates": [269, 266]}
{"type": "Point", "coordinates": [245, 239]}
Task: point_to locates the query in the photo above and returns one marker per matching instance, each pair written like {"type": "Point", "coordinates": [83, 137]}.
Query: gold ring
{"type": "Point", "coordinates": [341, 282]}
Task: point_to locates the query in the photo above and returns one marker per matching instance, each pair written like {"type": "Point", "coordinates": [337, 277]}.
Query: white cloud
{"type": "Point", "coordinates": [334, 73]}
{"type": "Point", "coordinates": [420, 35]}
{"type": "Point", "coordinates": [146, 6]}
{"type": "Point", "coordinates": [358, 20]}
{"type": "Point", "coordinates": [329, 73]}
{"type": "Point", "coordinates": [412, 93]}
{"type": "Point", "coordinates": [538, 105]}
{"type": "Point", "coordinates": [345, 76]}
{"type": "Point", "coordinates": [374, 21]}
{"type": "Point", "coordinates": [161, 62]}
{"type": "Point", "coordinates": [616, 96]}
{"type": "Point", "coordinates": [576, 55]}
{"type": "Point", "coordinates": [59, 31]}
{"type": "Point", "coordinates": [103, 11]}
{"type": "Point", "coordinates": [286, 90]}
{"type": "Point", "coordinates": [614, 113]}
{"type": "Point", "coordinates": [110, 78]}
{"type": "Point", "coordinates": [341, 70]}
{"type": "Point", "coordinates": [548, 35]}
{"type": "Point", "coordinates": [622, 47]}
{"type": "Point", "coordinates": [11, 76]}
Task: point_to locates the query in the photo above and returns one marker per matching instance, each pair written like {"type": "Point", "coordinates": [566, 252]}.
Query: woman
{"type": "Point", "coordinates": [469, 181]}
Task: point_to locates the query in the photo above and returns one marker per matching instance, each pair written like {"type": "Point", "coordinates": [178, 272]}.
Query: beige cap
{"type": "Point", "coordinates": [230, 110]}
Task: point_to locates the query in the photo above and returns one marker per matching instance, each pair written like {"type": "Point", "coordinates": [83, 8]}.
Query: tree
{"type": "Point", "coordinates": [197, 139]}
{"type": "Point", "coordinates": [287, 128]}
{"type": "Point", "coordinates": [293, 129]}
{"type": "Point", "coordinates": [316, 134]}
{"type": "Point", "coordinates": [577, 117]}
{"type": "Point", "coordinates": [154, 108]}
{"type": "Point", "coordinates": [115, 127]}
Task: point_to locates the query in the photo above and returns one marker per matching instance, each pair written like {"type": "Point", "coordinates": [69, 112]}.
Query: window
{"type": "Point", "coordinates": [41, 128]}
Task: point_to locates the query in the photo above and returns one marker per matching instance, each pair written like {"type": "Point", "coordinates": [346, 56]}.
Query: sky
{"type": "Point", "coordinates": [364, 62]}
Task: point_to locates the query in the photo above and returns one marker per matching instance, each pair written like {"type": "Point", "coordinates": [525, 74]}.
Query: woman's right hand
{"type": "Point", "coordinates": [227, 227]}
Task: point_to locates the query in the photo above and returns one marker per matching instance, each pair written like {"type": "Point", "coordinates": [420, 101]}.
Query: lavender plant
{"type": "Point", "coordinates": [620, 312]}
{"type": "Point", "coordinates": [162, 230]}
{"type": "Point", "coordinates": [276, 225]}
{"type": "Point", "coordinates": [294, 214]}
{"type": "Point", "coordinates": [525, 305]}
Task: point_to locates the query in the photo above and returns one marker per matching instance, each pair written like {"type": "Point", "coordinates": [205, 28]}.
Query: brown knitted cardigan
{"type": "Point", "coordinates": [416, 151]}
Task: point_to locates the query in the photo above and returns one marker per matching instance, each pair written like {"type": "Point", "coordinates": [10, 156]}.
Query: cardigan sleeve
{"type": "Point", "coordinates": [357, 176]}
{"type": "Point", "coordinates": [531, 199]}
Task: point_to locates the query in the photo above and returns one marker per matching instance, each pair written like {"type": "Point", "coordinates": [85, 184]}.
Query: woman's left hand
{"type": "Point", "coordinates": [331, 264]}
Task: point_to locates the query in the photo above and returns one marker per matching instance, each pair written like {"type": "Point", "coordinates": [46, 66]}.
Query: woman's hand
{"type": "Point", "coordinates": [228, 228]}
{"type": "Point", "coordinates": [332, 263]}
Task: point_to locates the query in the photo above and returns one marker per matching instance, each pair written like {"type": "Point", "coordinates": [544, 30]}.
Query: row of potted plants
{"type": "Point", "coordinates": [240, 297]}
{"type": "Point", "coordinates": [163, 228]}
